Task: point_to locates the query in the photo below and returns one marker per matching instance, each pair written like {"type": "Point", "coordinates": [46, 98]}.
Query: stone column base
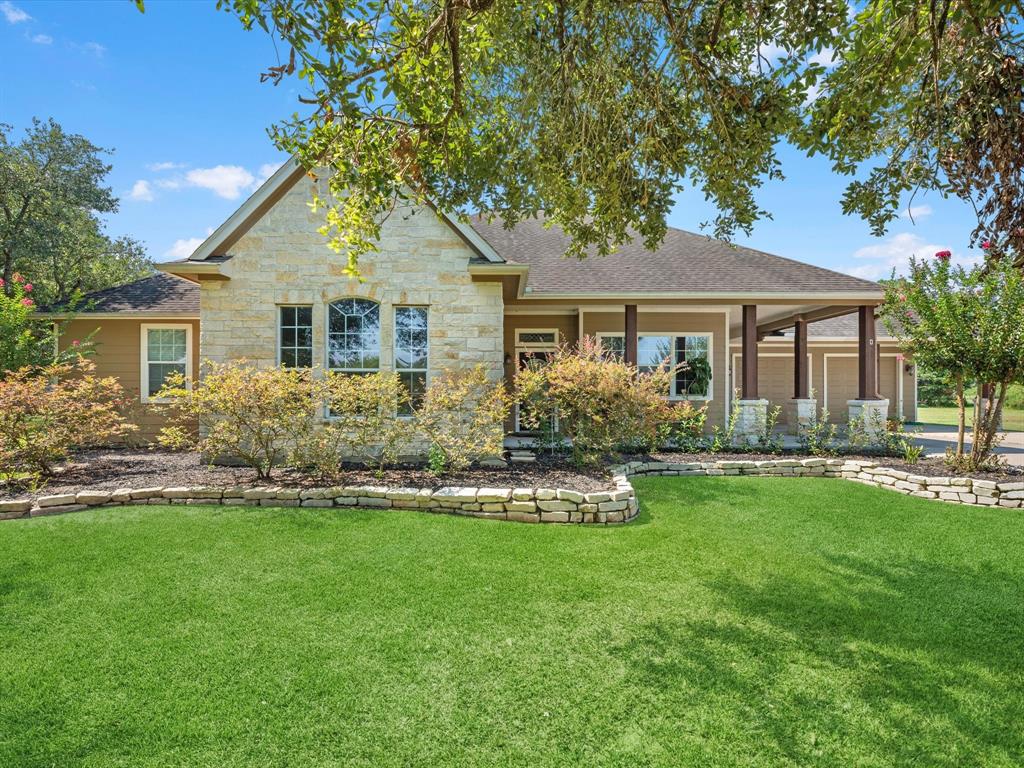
{"type": "Point", "coordinates": [750, 421]}
{"type": "Point", "coordinates": [801, 413]}
{"type": "Point", "coordinates": [874, 413]}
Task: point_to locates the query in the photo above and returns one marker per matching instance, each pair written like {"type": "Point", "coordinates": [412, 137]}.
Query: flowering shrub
{"type": "Point", "coordinates": [463, 417]}
{"type": "Point", "coordinates": [601, 404]}
{"type": "Point", "coordinates": [363, 425]}
{"type": "Point", "coordinates": [254, 414]}
{"type": "Point", "coordinates": [26, 341]}
{"type": "Point", "coordinates": [967, 326]}
{"type": "Point", "coordinates": [686, 428]}
{"type": "Point", "coordinates": [46, 413]}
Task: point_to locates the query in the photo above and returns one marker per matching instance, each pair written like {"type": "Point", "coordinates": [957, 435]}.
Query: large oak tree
{"type": "Point", "coordinates": [598, 111]}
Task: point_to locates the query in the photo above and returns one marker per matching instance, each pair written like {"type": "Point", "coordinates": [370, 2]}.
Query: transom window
{"type": "Point", "coordinates": [353, 336]}
{"type": "Point", "coordinates": [536, 338]}
{"type": "Point", "coordinates": [295, 342]}
{"type": "Point", "coordinates": [654, 350]}
{"type": "Point", "coordinates": [412, 353]}
{"type": "Point", "coordinates": [165, 350]}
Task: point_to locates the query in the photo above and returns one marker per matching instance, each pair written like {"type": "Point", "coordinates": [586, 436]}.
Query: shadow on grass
{"type": "Point", "coordinates": [865, 661]}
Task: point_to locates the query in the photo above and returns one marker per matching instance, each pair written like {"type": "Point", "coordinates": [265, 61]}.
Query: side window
{"type": "Point", "coordinates": [353, 336]}
{"type": "Point", "coordinates": [165, 350]}
{"type": "Point", "coordinates": [295, 337]}
{"type": "Point", "coordinates": [412, 352]}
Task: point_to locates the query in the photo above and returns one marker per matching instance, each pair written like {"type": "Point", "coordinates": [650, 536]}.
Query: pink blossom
{"type": "Point", "coordinates": [28, 287]}
{"type": "Point", "coordinates": [17, 277]}
{"type": "Point", "coordinates": [986, 245]}
{"type": "Point", "coordinates": [944, 255]}
{"type": "Point", "coordinates": [75, 343]}
{"type": "Point", "coordinates": [2, 283]}
{"type": "Point", "coordinates": [26, 302]}
{"type": "Point", "coordinates": [899, 358]}
{"type": "Point", "coordinates": [903, 297]}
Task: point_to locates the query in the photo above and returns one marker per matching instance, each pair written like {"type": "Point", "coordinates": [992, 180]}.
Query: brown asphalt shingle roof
{"type": "Point", "coordinates": [162, 293]}
{"type": "Point", "coordinates": [683, 262]}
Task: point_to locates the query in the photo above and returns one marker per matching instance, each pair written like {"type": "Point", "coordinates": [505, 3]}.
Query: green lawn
{"type": "Point", "coordinates": [740, 621]}
{"type": "Point", "coordinates": [1012, 419]}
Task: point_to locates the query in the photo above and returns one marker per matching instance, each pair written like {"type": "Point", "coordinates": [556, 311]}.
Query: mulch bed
{"type": "Point", "coordinates": [110, 469]}
{"type": "Point", "coordinates": [926, 467]}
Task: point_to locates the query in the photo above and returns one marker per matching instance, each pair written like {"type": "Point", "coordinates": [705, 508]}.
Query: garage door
{"type": "Point", "coordinates": [774, 379]}
{"type": "Point", "coordinates": [842, 373]}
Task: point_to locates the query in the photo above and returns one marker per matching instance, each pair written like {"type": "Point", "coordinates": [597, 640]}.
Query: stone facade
{"type": "Point", "coordinates": [284, 260]}
{"type": "Point", "coordinates": [751, 421]}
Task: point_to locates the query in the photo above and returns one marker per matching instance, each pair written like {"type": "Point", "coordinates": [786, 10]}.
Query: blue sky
{"type": "Point", "coordinates": [176, 93]}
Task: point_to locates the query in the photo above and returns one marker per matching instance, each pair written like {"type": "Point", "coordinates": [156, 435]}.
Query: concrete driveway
{"type": "Point", "coordinates": [937, 437]}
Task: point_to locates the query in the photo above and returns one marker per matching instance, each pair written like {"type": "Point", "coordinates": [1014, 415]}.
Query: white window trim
{"type": "Point", "coordinates": [535, 345]}
{"type": "Point", "coordinates": [394, 347]}
{"type": "Point", "coordinates": [145, 328]}
{"type": "Point", "coordinates": [327, 337]}
{"type": "Point", "coordinates": [673, 335]}
{"type": "Point", "coordinates": [312, 345]}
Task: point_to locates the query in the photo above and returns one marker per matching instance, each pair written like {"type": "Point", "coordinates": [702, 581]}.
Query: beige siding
{"type": "Point", "coordinates": [714, 323]}
{"type": "Point", "coordinates": [838, 361]}
{"type": "Point", "coordinates": [119, 354]}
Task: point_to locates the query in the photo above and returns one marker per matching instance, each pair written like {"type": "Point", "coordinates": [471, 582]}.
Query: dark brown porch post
{"type": "Point", "coordinates": [800, 361]}
{"type": "Point", "coordinates": [749, 352]}
{"type": "Point", "coordinates": [867, 349]}
{"type": "Point", "coordinates": [629, 347]}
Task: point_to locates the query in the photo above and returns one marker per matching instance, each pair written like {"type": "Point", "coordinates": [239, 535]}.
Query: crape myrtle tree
{"type": "Point", "coordinates": [596, 112]}
{"type": "Point", "coordinates": [968, 326]}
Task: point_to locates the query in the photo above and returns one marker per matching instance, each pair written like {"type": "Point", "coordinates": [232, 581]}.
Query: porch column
{"type": "Point", "coordinates": [749, 352]}
{"type": "Point", "coordinates": [752, 412]}
{"type": "Point", "coordinates": [869, 408]}
{"type": "Point", "coordinates": [802, 410]}
{"type": "Point", "coordinates": [629, 347]}
{"type": "Point", "coordinates": [867, 355]}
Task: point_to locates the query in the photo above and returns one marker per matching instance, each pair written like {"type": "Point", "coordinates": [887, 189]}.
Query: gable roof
{"type": "Point", "coordinates": [287, 176]}
{"type": "Point", "coordinates": [157, 295]}
{"type": "Point", "coordinates": [683, 262]}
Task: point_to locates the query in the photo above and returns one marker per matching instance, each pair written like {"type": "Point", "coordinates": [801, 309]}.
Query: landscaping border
{"type": "Point", "coordinates": [534, 505]}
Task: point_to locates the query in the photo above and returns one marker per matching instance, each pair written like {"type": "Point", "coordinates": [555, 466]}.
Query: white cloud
{"type": "Point", "coordinates": [94, 49]}
{"type": "Point", "coordinates": [917, 212]}
{"type": "Point", "coordinates": [894, 253]}
{"type": "Point", "coordinates": [169, 183]}
{"type": "Point", "coordinates": [13, 13]}
{"type": "Point", "coordinates": [182, 249]}
{"type": "Point", "coordinates": [227, 181]}
{"type": "Point", "coordinates": [141, 191]}
{"type": "Point", "coordinates": [165, 166]}
{"type": "Point", "coordinates": [265, 172]}
{"type": "Point", "coordinates": [41, 39]}
{"type": "Point", "coordinates": [826, 57]}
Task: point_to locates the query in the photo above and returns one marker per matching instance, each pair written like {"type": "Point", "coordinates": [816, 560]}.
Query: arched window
{"type": "Point", "coordinates": [353, 336]}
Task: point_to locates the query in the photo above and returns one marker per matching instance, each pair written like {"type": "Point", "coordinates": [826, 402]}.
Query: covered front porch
{"type": "Point", "coordinates": [727, 336]}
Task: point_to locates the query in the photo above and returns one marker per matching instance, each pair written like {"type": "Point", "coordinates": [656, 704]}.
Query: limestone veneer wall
{"type": "Point", "coordinates": [283, 260]}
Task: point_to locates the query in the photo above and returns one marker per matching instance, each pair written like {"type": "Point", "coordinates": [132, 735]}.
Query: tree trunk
{"type": "Point", "coordinates": [961, 416]}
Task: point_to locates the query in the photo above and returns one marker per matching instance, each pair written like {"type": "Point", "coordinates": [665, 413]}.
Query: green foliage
{"type": "Point", "coordinates": [933, 389]}
{"type": "Point", "coordinates": [601, 404]}
{"type": "Point", "coordinates": [967, 326]}
{"type": "Point", "coordinates": [685, 431]}
{"type": "Point", "coordinates": [46, 413]}
{"type": "Point", "coordinates": [598, 114]}
{"type": "Point", "coordinates": [258, 415]}
{"type": "Point", "coordinates": [436, 462]}
{"type": "Point", "coordinates": [52, 194]}
{"type": "Point", "coordinates": [364, 424]}
{"type": "Point", "coordinates": [912, 453]}
{"type": "Point", "coordinates": [463, 418]}
{"type": "Point", "coordinates": [819, 438]}
{"type": "Point", "coordinates": [26, 341]}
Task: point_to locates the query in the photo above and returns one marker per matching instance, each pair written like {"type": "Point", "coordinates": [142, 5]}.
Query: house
{"type": "Point", "coordinates": [443, 293]}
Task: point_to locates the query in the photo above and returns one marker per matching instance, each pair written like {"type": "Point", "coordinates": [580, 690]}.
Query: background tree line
{"type": "Point", "coordinates": [52, 195]}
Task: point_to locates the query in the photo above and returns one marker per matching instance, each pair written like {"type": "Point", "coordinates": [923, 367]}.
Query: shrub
{"type": "Point", "coordinates": [254, 414]}
{"type": "Point", "coordinates": [601, 404]}
{"type": "Point", "coordinates": [685, 431]}
{"type": "Point", "coordinates": [363, 425]}
{"type": "Point", "coordinates": [463, 417]}
{"type": "Point", "coordinates": [47, 412]}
